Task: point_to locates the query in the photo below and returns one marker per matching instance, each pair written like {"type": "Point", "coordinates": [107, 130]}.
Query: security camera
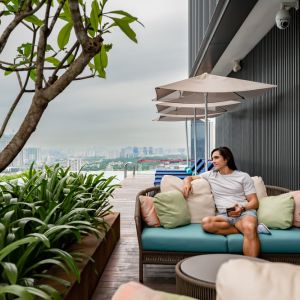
{"type": "Point", "coordinates": [283, 19]}
{"type": "Point", "coordinates": [236, 66]}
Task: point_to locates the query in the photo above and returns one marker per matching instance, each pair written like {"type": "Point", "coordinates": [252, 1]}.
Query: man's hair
{"type": "Point", "coordinates": [227, 154]}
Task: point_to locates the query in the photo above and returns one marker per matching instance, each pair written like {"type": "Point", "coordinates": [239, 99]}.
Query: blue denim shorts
{"type": "Point", "coordinates": [233, 220]}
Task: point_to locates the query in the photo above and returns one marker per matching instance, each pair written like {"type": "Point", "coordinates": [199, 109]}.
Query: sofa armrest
{"type": "Point", "coordinates": [139, 223]}
{"type": "Point", "coordinates": [275, 190]}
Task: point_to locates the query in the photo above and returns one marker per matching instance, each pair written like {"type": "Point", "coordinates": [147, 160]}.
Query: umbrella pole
{"type": "Point", "coordinates": [187, 144]}
{"type": "Point", "coordinates": [195, 150]}
{"type": "Point", "coordinates": [206, 134]}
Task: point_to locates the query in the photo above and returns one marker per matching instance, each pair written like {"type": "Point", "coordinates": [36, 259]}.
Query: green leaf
{"type": "Point", "coordinates": [54, 278]}
{"type": "Point", "coordinates": [48, 261]}
{"type": "Point", "coordinates": [64, 35]}
{"type": "Point", "coordinates": [123, 13]}
{"type": "Point", "coordinates": [42, 238]}
{"type": "Point", "coordinates": [53, 60]}
{"type": "Point", "coordinates": [94, 17]}
{"type": "Point", "coordinates": [98, 66]}
{"type": "Point", "coordinates": [67, 14]}
{"type": "Point", "coordinates": [32, 74]}
{"type": "Point", "coordinates": [68, 259]}
{"type": "Point", "coordinates": [71, 58]}
{"type": "Point", "coordinates": [38, 292]}
{"type": "Point", "coordinates": [17, 290]}
{"type": "Point", "coordinates": [11, 247]}
{"type": "Point", "coordinates": [34, 20]}
{"type": "Point", "coordinates": [123, 24]}
{"type": "Point", "coordinates": [11, 272]}
{"type": "Point", "coordinates": [49, 48]}
{"type": "Point", "coordinates": [51, 291]}
{"type": "Point", "coordinates": [9, 72]}
{"type": "Point", "coordinates": [108, 47]}
{"type": "Point", "coordinates": [103, 55]}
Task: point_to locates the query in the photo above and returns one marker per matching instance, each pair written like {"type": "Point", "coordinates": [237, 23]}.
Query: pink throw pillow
{"type": "Point", "coordinates": [136, 291]}
{"type": "Point", "coordinates": [148, 211]}
{"type": "Point", "coordinates": [296, 196]}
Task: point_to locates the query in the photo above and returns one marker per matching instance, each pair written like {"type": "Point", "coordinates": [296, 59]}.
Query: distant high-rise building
{"type": "Point", "coordinates": [31, 154]}
{"type": "Point", "coordinates": [145, 150]}
{"type": "Point", "coordinates": [74, 164]}
{"type": "Point", "coordinates": [135, 151]}
{"type": "Point", "coordinates": [200, 138]}
{"type": "Point", "coordinates": [150, 151]}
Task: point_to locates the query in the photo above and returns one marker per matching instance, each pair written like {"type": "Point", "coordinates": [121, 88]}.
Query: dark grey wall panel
{"type": "Point", "coordinates": [264, 133]}
{"type": "Point", "coordinates": [200, 13]}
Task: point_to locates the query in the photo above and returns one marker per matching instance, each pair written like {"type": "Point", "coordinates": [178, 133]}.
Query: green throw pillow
{"type": "Point", "coordinates": [169, 296]}
{"type": "Point", "coordinates": [276, 211]}
{"type": "Point", "coordinates": [171, 209]}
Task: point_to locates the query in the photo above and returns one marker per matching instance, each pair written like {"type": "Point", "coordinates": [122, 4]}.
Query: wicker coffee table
{"type": "Point", "coordinates": [196, 275]}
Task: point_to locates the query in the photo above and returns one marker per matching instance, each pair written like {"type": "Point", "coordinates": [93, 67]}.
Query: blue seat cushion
{"type": "Point", "coordinates": [189, 238]}
{"type": "Point", "coordinates": [280, 241]}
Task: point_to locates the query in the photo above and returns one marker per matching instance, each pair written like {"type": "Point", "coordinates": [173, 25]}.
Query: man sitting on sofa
{"type": "Point", "coordinates": [235, 199]}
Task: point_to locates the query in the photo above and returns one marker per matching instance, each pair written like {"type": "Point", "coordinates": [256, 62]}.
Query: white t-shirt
{"type": "Point", "coordinates": [230, 189]}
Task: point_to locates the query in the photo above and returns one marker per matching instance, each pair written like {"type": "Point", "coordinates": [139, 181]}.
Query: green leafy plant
{"type": "Point", "coordinates": [40, 216]}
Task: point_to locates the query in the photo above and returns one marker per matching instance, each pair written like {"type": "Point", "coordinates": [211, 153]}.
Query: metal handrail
{"type": "Point", "coordinates": [125, 168]}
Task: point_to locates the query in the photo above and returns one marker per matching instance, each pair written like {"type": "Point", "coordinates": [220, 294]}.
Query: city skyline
{"type": "Point", "coordinates": [118, 111]}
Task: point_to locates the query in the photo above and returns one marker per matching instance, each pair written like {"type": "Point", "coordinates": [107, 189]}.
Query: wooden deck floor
{"type": "Point", "coordinates": [123, 264]}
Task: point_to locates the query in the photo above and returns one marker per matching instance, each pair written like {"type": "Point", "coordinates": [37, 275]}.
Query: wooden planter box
{"type": "Point", "coordinates": [90, 269]}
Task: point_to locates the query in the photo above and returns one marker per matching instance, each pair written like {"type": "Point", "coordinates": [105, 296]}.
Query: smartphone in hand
{"type": "Point", "coordinates": [229, 209]}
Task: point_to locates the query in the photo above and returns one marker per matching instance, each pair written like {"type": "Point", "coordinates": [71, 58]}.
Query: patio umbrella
{"type": "Point", "coordinates": [182, 113]}
{"type": "Point", "coordinates": [171, 109]}
{"type": "Point", "coordinates": [210, 89]}
{"type": "Point", "coordinates": [179, 117]}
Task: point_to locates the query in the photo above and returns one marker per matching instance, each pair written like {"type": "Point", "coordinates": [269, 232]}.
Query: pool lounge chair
{"type": "Point", "coordinates": [176, 171]}
{"type": "Point", "coordinates": [200, 169]}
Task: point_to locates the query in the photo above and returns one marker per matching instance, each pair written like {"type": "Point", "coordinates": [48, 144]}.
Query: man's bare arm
{"type": "Point", "coordinates": [252, 202]}
{"type": "Point", "coordinates": [186, 188]}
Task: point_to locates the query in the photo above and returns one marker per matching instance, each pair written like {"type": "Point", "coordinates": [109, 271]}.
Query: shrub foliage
{"type": "Point", "coordinates": [40, 216]}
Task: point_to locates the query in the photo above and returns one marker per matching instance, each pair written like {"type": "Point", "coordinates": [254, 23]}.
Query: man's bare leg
{"type": "Point", "coordinates": [218, 225]}
{"type": "Point", "coordinates": [251, 243]}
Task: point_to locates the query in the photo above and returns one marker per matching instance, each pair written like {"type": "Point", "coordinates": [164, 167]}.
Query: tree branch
{"type": "Point", "coordinates": [85, 77]}
{"type": "Point", "coordinates": [71, 73]}
{"type": "Point", "coordinates": [27, 26]}
{"type": "Point", "coordinates": [65, 58]}
{"type": "Point", "coordinates": [22, 91]}
{"type": "Point", "coordinates": [28, 126]}
{"type": "Point", "coordinates": [41, 50]}
{"type": "Point", "coordinates": [15, 22]}
{"type": "Point", "coordinates": [19, 79]}
{"type": "Point", "coordinates": [80, 32]}
{"type": "Point", "coordinates": [25, 69]}
{"type": "Point", "coordinates": [55, 17]}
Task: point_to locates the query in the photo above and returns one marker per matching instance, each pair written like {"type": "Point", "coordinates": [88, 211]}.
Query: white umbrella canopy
{"type": "Point", "coordinates": [223, 106]}
{"type": "Point", "coordinates": [185, 110]}
{"type": "Point", "coordinates": [210, 89]}
{"type": "Point", "coordinates": [218, 88]}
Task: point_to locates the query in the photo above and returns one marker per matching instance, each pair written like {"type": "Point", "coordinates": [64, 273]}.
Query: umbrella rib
{"type": "Point", "coordinates": [239, 95]}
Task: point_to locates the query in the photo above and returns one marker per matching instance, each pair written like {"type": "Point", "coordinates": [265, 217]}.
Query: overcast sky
{"type": "Point", "coordinates": [117, 111]}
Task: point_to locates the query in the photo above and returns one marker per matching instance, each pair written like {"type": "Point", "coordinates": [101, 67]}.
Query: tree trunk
{"type": "Point", "coordinates": [36, 110]}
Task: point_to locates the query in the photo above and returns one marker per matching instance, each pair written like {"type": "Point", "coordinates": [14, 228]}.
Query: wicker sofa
{"type": "Point", "coordinates": [289, 243]}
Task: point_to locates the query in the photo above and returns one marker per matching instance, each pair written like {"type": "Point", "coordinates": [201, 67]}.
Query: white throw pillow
{"type": "Point", "coordinates": [242, 279]}
{"type": "Point", "coordinates": [260, 187]}
{"type": "Point", "coordinates": [200, 201]}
